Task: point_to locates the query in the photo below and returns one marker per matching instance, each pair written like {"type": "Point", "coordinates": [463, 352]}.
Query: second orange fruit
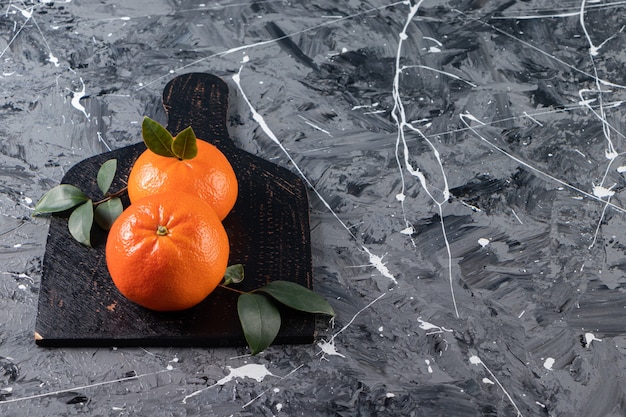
{"type": "Point", "coordinates": [167, 251]}
{"type": "Point", "coordinates": [208, 175]}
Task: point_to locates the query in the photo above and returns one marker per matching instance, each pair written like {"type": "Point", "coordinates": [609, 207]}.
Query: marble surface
{"type": "Point", "coordinates": [465, 164]}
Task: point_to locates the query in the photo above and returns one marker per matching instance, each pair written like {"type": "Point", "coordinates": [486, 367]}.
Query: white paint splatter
{"type": "Point", "coordinates": [621, 169]}
{"type": "Point", "coordinates": [329, 348]}
{"type": "Point", "coordinates": [390, 395]}
{"type": "Point", "coordinates": [488, 381]}
{"type": "Point", "coordinates": [429, 326]}
{"type": "Point", "coordinates": [407, 231]}
{"type": "Point", "coordinates": [252, 371]}
{"type": "Point", "coordinates": [601, 192]}
{"type": "Point", "coordinates": [475, 360]}
{"type": "Point", "coordinates": [548, 363]}
{"type": "Point", "coordinates": [483, 242]}
{"type": "Point", "coordinates": [377, 262]}
{"type": "Point", "coordinates": [430, 368]}
{"type": "Point", "coordinates": [590, 337]}
{"type": "Point", "coordinates": [53, 59]}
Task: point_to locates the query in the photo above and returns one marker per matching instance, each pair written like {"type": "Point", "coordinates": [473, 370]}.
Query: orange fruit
{"type": "Point", "coordinates": [209, 175]}
{"type": "Point", "coordinates": [167, 251]}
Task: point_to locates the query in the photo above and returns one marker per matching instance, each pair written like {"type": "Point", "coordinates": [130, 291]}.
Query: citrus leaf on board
{"type": "Point", "coordinates": [106, 173]}
{"type": "Point", "coordinates": [80, 222]}
{"type": "Point", "coordinates": [106, 213]}
{"type": "Point", "coordinates": [234, 274]}
{"type": "Point", "coordinates": [60, 198]}
{"type": "Point", "coordinates": [184, 145]}
{"type": "Point", "coordinates": [157, 138]}
{"type": "Point", "coordinates": [260, 320]}
{"type": "Point", "coordinates": [297, 297]}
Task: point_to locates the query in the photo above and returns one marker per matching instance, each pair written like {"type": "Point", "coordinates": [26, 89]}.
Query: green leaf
{"type": "Point", "coordinates": [107, 212]}
{"type": "Point", "coordinates": [80, 222]}
{"type": "Point", "coordinates": [297, 297]}
{"type": "Point", "coordinates": [184, 146]}
{"type": "Point", "coordinates": [259, 319]}
{"type": "Point", "coordinates": [157, 138]}
{"type": "Point", "coordinates": [60, 198]}
{"type": "Point", "coordinates": [106, 173]}
{"type": "Point", "coordinates": [234, 274]}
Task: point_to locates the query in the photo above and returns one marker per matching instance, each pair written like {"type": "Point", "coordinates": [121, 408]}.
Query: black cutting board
{"type": "Point", "coordinates": [268, 230]}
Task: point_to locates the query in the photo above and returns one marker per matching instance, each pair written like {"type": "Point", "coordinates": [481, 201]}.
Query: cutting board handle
{"type": "Point", "coordinates": [199, 100]}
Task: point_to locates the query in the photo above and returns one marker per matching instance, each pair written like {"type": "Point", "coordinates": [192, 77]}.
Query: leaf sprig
{"type": "Point", "coordinates": [161, 142]}
{"type": "Point", "coordinates": [84, 210]}
{"type": "Point", "coordinates": [260, 318]}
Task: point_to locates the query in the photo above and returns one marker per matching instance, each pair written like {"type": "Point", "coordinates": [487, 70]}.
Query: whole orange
{"type": "Point", "coordinates": [209, 175]}
{"type": "Point", "coordinates": [167, 251]}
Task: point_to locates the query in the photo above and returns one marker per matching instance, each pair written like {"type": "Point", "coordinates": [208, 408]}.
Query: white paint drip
{"type": "Point", "coordinates": [449, 74]}
{"type": "Point", "coordinates": [466, 116]}
{"type": "Point", "coordinates": [76, 96]}
{"type": "Point", "coordinates": [483, 241]}
{"type": "Point", "coordinates": [80, 388]}
{"type": "Point", "coordinates": [548, 363]}
{"type": "Point", "coordinates": [488, 381]}
{"type": "Point", "coordinates": [101, 139]}
{"type": "Point", "coordinates": [328, 347]}
{"type": "Point", "coordinates": [398, 114]}
{"type": "Point", "coordinates": [517, 217]}
{"type": "Point", "coordinates": [375, 260]}
{"type": "Point", "coordinates": [475, 360]}
{"type": "Point", "coordinates": [314, 126]}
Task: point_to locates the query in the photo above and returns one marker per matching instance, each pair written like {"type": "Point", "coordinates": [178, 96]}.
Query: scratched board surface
{"type": "Point", "coordinates": [465, 167]}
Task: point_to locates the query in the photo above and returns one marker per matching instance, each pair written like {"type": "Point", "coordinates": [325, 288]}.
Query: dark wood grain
{"type": "Point", "coordinates": [268, 230]}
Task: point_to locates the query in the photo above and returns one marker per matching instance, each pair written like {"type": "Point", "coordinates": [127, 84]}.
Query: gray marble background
{"type": "Point", "coordinates": [465, 166]}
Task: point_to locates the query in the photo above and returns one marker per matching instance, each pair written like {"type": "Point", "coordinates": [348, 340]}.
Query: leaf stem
{"type": "Point", "coordinates": [232, 289]}
{"type": "Point", "coordinates": [111, 195]}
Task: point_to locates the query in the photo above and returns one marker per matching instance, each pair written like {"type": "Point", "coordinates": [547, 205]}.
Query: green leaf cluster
{"type": "Point", "coordinates": [84, 210]}
{"type": "Point", "coordinates": [258, 314]}
{"type": "Point", "coordinates": [161, 142]}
